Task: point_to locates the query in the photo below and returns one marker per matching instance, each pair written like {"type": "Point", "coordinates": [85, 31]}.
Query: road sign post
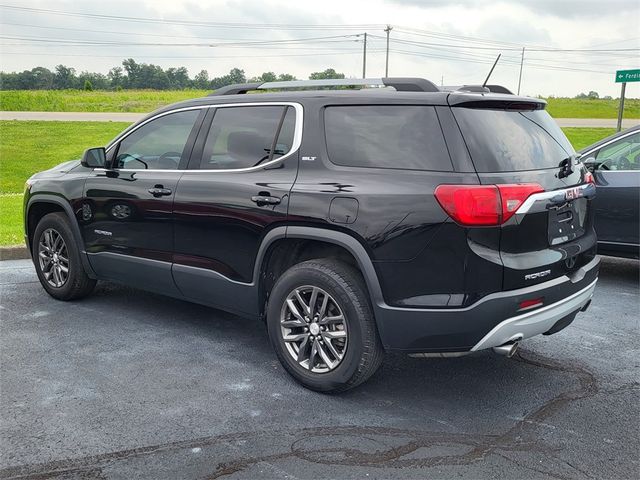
{"type": "Point", "coordinates": [624, 76]}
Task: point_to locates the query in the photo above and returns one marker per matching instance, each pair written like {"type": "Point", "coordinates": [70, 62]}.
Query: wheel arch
{"type": "Point", "coordinates": [340, 244]}
{"type": "Point", "coordinates": [42, 204]}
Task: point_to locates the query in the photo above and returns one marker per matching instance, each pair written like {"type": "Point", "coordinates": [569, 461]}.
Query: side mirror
{"type": "Point", "coordinates": [94, 158]}
{"type": "Point", "coordinates": [590, 163]}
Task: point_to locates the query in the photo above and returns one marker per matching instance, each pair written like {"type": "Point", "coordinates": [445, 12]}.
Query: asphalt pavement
{"type": "Point", "coordinates": [134, 117]}
{"type": "Point", "coordinates": [127, 384]}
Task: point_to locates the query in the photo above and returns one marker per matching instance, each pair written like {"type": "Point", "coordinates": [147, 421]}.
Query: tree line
{"type": "Point", "coordinates": [133, 75]}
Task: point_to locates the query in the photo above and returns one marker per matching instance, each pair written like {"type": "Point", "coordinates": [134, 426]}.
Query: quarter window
{"type": "Point", "coordinates": [385, 136]}
{"type": "Point", "coordinates": [243, 137]}
{"type": "Point", "coordinates": [157, 145]}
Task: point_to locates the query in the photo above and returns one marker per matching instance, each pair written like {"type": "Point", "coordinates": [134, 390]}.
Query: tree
{"type": "Point", "coordinates": [116, 77]}
{"type": "Point", "coordinates": [133, 71]}
{"type": "Point", "coordinates": [265, 77]}
{"type": "Point", "coordinates": [178, 77]}
{"type": "Point", "coordinates": [235, 76]}
{"type": "Point", "coordinates": [42, 78]}
{"type": "Point", "coordinates": [87, 86]}
{"type": "Point", "coordinates": [327, 74]}
{"type": "Point", "coordinates": [65, 77]}
{"type": "Point", "coordinates": [201, 80]}
{"type": "Point", "coordinates": [593, 95]}
{"type": "Point", "coordinates": [286, 77]}
{"type": "Point", "coordinates": [98, 81]}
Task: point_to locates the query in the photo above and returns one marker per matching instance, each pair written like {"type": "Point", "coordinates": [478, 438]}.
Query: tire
{"type": "Point", "coordinates": [75, 283]}
{"type": "Point", "coordinates": [346, 294]}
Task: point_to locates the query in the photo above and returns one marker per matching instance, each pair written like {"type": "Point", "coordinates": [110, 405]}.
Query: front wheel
{"type": "Point", "coordinates": [321, 326]}
{"type": "Point", "coordinates": [57, 259]}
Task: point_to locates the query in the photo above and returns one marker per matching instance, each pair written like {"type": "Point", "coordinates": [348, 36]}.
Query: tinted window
{"type": "Point", "coordinates": [623, 154]}
{"type": "Point", "coordinates": [508, 141]}
{"type": "Point", "coordinates": [242, 137]}
{"type": "Point", "coordinates": [381, 136]}
{"type": "Point", "coordinates": [158, 144]}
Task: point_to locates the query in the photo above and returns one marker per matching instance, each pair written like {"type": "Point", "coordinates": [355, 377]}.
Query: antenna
{"type": "Point", "coordinates": [491, 71]}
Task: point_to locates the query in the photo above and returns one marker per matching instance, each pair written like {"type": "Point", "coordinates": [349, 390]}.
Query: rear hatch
{"type": "Point", "coordinates": [513, 141]}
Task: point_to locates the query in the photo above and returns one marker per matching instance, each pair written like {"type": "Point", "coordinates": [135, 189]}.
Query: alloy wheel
{"type": "Point", "coordinates": [53, 258]}
{"type": "Point", "coordinates": [314, 329]}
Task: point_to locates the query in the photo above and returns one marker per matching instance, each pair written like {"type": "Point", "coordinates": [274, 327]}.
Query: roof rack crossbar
{"type": "Point", "coordinates": [400, 84]}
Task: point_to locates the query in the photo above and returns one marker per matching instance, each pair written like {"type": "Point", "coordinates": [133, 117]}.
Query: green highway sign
{"type": "Point", "coordinates": [623, 76]}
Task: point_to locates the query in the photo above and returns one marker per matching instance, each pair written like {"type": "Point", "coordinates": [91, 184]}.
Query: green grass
{"type": "Point", "coordinates": [29, 147]}
{"type": "Point", "coordinates": [148, 100]}
{"type": "Point", "coordinates": [582, 137]}
{"type": "Point", "coordinates": [96, 101]}
{"type": "Point", "coordinates": [586, 108]}
{"type": "Point", "coordinates": [11, 219]}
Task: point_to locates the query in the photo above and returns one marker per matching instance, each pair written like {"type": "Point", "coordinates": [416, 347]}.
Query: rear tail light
{"type": "Point", "coordinates": [484, 205]}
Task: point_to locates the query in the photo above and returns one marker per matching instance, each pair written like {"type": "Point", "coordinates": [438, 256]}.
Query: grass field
{"type": "Point", "coordinates": [29, 147]}
{"type": "Point", "coordinates": [11, 219]}
{"type": "Point", "coordinates": [585, 108]}
{"type": "Point", "coordinates": [96, 101]}
{"type": "Point", "coordinates": [148, 100]}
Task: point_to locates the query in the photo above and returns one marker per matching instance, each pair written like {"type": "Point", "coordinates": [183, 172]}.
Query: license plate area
{"type": "Point", "coordinates": [566, 222]}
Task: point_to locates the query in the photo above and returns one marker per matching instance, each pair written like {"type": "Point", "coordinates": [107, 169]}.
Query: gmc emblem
{"type": "Point", "coordinates": [572, 193]}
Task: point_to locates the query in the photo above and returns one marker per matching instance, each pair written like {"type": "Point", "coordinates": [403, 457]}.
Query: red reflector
{"type": "Point", "coordinates": [534, 302]}
{"type": "Point", "coordinates": [478, 205]}
{"type": "Point", "coordinates": [588, 178]}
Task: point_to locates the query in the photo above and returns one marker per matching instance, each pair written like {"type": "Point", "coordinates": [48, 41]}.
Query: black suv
{"type": "Point", "coordinates": [404, 217]}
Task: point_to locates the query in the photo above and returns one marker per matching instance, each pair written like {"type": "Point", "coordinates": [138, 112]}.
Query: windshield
{"type": "Point", "coordinates": [512, 141]}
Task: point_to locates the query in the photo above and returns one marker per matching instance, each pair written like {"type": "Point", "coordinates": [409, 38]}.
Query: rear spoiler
{"type": "Point", "coordinates": [495, 101]}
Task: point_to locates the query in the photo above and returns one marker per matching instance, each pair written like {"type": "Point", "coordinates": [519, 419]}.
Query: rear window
{"type": "Point", "coordinates": [512, 141]}
{"type": "Point", "coordinates": [385, 136]}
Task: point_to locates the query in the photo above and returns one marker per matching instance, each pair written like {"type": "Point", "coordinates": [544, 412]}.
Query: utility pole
{"type": "Point", "coordinates": [386, 64]}
{"type": "Point", "coordinates": [521, 64]}
{"type": "Point", "coordinates": [621, 109]}
{"type": "Point", "coordinates": [364, 57]}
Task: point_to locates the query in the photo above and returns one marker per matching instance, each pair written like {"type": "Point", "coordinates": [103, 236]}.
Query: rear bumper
{"type": "Point", "coordinates": [537, 321]}
{"type": "Point", "coordinates": [494, 320]}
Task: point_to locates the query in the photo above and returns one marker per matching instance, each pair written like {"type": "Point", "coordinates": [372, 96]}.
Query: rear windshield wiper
{"type": "Point", "coordinates": [566, 167]}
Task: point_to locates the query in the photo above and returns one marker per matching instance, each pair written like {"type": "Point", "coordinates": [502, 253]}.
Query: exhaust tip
{"type": "Point", "coordinates": [508, 349]}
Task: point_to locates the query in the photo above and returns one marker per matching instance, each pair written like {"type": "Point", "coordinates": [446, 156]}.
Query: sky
{"type": "Point", "coordinates": [571, 46]}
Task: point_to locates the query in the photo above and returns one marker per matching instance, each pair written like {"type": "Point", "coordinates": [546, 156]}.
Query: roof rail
{"type": "Point", "coordinates": [401, 84]}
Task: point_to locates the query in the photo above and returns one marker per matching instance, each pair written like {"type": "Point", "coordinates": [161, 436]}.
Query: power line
{"type": "Point", "coordinates": [67, 29]}
{"type": "Point", "coordinates": [210, 57]}
{"type": "Point", "coordinates": [260, 26]}
{"type": "Point", "coordinates": [475, 47]}
{"type": "Point", "coordinates": [293, 41]}
{"type": "Point", "coordinates": [506, 63]}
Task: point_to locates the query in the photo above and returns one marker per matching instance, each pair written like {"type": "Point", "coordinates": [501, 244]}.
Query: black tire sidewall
{"type": "Point", "coordinates": [352, 309]}
{"type": "Point", "coordinates": [61, 225]}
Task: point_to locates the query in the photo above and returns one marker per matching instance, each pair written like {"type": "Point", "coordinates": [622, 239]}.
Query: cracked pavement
{"type": "Point", "coordinates": [128, 384]}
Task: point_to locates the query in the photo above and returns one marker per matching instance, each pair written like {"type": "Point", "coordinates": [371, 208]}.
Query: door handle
{"type": "Point", "coordinates": [159, 191]}
{"type": "Point", "coordinates": [265, 200]}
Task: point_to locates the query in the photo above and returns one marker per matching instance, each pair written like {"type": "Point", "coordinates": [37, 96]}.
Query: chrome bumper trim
{"type": "Point", "coordinates": [535, 322]}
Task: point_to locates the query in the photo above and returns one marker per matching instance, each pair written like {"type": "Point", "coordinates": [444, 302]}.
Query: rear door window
{"type": "Point", "coordinates": [386, 136]}
{"type": "Point", "coordinates": [512, 141]}
{"type": "Point", "coordinates": [242, 137]}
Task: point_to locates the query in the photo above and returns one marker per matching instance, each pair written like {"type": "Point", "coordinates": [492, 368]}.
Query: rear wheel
{"type": "Point", "coordinates": [321, 326]}
{"type": "Point", "coordinates": [57, 259]}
